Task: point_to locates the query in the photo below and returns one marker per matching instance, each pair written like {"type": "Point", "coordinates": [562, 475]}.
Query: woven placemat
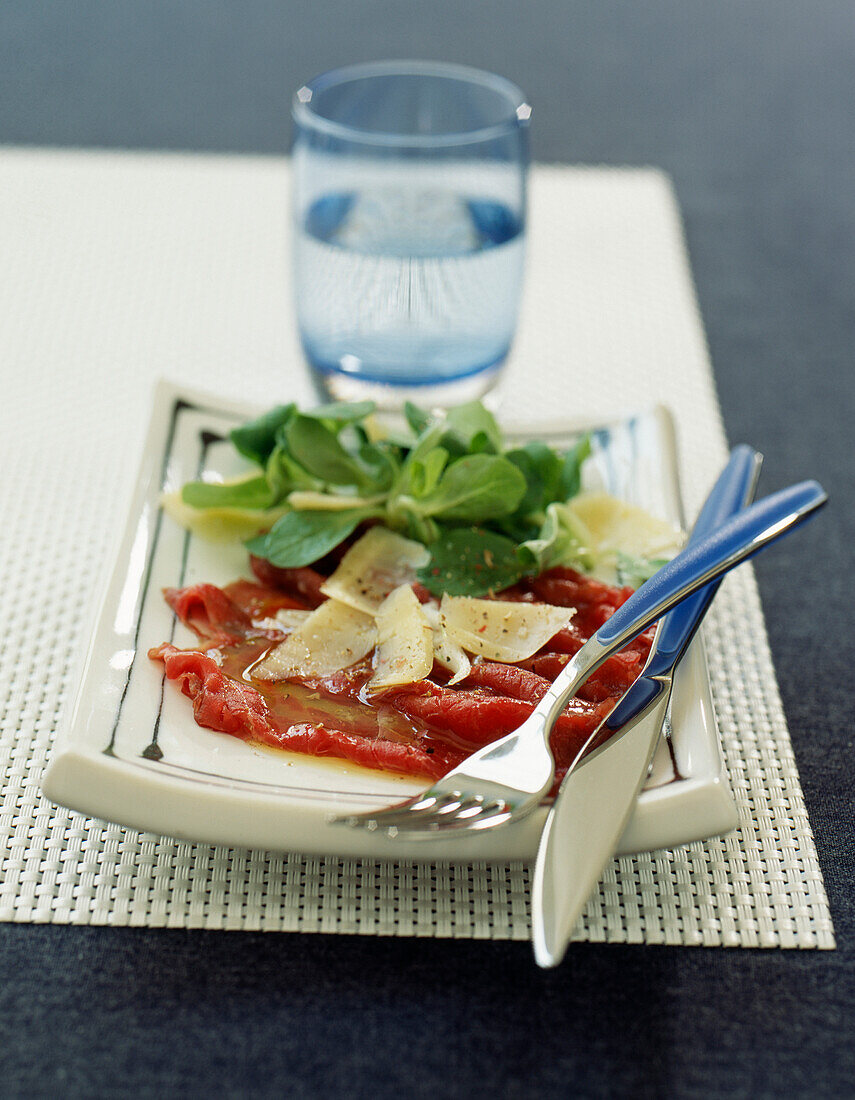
{"type": "Point", "coordinates": [119, 268]}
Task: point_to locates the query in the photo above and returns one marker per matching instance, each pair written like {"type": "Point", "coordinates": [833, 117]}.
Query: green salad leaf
{"type": "Point", "coordinates": [257, 438]}
{"type": "Point", "coordinates": [300, 538]}
{"type": "Point", "coordinates": [563, 539]}
{"type": "Point", "coordinates": [571, 471]}
{"type": "Point", "coordinates": [541, 468]}
{"type": "Point", "coordinates": [318, 450]}
{"type": "Point", "coordinates": [285, 475]}
{"type": "Point", "coordinates": [472, 429]}
{"type": "Point", "coordinates": [471, 561]}
{"type": "Point", "coordinates": [418, 419]}
{"type": "Point", "coordinates": [634, 571]}
{"type": "Point", "coordinates": [342, 412]}
{"type": "Point", "coordinates": [251, 492]}
{"type": "Point", "coordinates": [474, 488]}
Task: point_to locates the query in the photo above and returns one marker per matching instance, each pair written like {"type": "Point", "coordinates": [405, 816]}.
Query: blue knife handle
{"type": "Point", "coordinates": [732, 491]}
{"type": "Point", "coordinates": [736, 540]}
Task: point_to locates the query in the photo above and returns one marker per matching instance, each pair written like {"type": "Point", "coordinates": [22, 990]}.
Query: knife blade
{"type": "Point", "coordinates": [596, 797]}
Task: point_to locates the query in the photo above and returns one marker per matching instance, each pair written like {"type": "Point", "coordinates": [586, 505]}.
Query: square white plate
{"type": "Point", "coordinates": [134, 755]}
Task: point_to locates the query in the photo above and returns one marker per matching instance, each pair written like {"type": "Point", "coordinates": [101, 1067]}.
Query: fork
{"type": "Point", "coordinates": [506, 780]}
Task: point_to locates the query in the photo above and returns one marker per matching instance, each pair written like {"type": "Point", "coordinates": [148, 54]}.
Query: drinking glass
{"type": "Point", "coordinates": [410, 208]}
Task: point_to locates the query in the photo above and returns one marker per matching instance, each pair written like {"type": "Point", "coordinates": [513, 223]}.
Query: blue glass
{"type": "Point", "coordinates": [409, 208]}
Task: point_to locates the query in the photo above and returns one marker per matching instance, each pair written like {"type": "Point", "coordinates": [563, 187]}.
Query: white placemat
{"type": "Point", "coordinates": [118, 268]}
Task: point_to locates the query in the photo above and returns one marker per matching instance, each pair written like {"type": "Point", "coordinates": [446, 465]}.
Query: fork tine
{"type": "Point", "coordinates": [427, 815]}
{"type": "Point", "coordinates": [497, 816]}
{"type": "Point", "coordinates": [466, 813]}
{"type": "Point", "coordinates": [421, 806]}
{"type": "Point", "coordinates": [426, 803]}
{"type": "Point", "coordinates": [437, 826]}
{"type": "Point", "coordinates": [416, 813]}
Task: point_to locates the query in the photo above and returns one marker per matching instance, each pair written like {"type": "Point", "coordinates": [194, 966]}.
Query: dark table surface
{"type": "Point", "coordinates": [750, 107]}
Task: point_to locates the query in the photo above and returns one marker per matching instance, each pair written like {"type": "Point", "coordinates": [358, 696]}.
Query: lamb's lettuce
{"type": "Point", "coordinates": [488, 513]}
{"type": "Point", "coordinates": [563, 540]}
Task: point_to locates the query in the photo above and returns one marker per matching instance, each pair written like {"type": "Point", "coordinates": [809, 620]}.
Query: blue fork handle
{"type": "Point", "coordinates": [733, 490]}
{"type": "Point", "coordinates": [738, 539]}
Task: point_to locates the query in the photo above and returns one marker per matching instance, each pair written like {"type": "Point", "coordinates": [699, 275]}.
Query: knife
{"type": "Point", "coordinates": [583, 827]}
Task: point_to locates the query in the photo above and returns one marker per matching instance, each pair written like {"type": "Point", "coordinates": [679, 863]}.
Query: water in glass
{"type": "Point", "coordinates": [408, 287]}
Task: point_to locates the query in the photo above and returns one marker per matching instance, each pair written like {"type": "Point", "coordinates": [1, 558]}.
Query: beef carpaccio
{"type": "Point", "coordinates": [421, 729]}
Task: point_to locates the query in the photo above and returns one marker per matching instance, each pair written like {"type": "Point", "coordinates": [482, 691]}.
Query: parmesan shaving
{"type": "Point", "coordinates": [329, 502]}
{"type": "Point", "coordinates": [373, 567]}
{"type": "Point", "coordinates": [501, 630]}
{"type": "Point", "coordinates": [291, 617]}
{"type": "Point", "coordinates": [286, 619]}
{"type": "Point", "coordinates": [331, 638]}
{"type": "Point", "coordinates": [404, 651]}
{"type": "Point", "coordinates": [219, 524]}
{"type": "Point", "coordinates": [446, 652]}
{"type": "Point", "coordinates": [616, 527]}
